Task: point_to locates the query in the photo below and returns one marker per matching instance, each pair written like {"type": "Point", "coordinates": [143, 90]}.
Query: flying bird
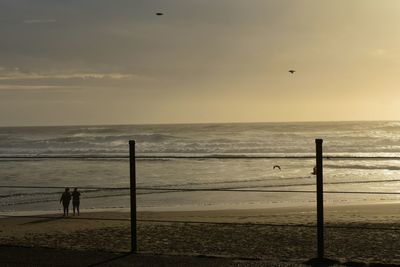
{"type": "Point", "coordinates": [292, 71]}
{"type": "Point", "coordinates": [159, 14]}
{"type": "Point", "coordinates": [276, 166]}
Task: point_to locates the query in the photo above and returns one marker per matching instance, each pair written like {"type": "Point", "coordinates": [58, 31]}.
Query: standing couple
{"type": "Point", "coordinates": [66, 198]}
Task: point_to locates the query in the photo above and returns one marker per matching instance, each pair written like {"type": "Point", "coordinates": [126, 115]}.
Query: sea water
{"type": "Point", "coordinates": [104, 182]}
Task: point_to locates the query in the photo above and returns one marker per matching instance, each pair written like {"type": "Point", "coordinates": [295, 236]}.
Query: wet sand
{"type": "Point", "coordinates": [368, 233]}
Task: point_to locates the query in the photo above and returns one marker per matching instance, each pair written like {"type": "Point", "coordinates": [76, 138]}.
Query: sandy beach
{"type": "Point", "coordinates": [368, 233]}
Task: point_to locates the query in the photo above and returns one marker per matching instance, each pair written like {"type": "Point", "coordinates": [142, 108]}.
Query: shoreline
{"type": "Point", "coordinates": [354, 232]}
{"type": "Point", "coordinates": [386, 210]}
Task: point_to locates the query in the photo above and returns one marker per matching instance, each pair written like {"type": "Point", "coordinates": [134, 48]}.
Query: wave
{"type": "Point", "coordinates": [43, 193]}
{"type": "Point", "coordinates": [35, 201]}
{"type": "Point", "coordinates": [143, 137]}
{"type": "Point", "coordinates": [363, 167]}
{"type": "Point", "coordinates": [185, 185]}
{"type": "Point", "coordinates": [150, 155]}
{"type": "Point", "coordinates": [14, 199]}
{"type": "Point", "coordinates": [249, 187]}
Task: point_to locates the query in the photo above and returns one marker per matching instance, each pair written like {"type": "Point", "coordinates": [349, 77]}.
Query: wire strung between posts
{"type": "Point", "coordinates": [228, 188]}
{"type": "Point", "coordinates": [265, 191]}
{"type": "Point", "coordinates": [171, 190]}
{"type": "Point", "coordinates": [191, 157]}
{"type": "Point", "coordinates": [62, 187]}
{"type": "Point", "coordinates": [179, 189]}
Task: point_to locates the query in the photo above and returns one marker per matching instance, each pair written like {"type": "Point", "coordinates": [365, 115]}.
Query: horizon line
{"type": "Point", "coordinates": [194, 123]}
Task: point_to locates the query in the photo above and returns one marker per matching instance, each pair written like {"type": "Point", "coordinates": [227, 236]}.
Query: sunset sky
{"type": "Point", "coordinates": [67, 62]}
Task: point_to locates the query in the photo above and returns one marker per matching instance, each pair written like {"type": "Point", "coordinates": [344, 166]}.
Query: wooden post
{"type": "Point", "coordinates": [320, 199]}
{"type": "Point", "coordinates": [132, 172]}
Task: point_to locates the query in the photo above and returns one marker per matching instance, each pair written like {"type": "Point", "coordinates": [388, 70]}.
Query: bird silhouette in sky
{"type": "Point", "coordinates": [159, 14]}
{"type": "Point", "coordinates": [292, 71]}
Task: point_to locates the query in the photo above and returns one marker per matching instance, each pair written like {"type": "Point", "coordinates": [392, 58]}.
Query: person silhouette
{"type": "Point", "coordinates": [76, 200]}
{"type": "Point", "coordinates": [65, 199]}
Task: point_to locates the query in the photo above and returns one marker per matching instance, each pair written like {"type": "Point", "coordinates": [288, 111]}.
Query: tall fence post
{"type": "Point", "coordinates": [132, 175]}
{"type": "Point", "coordinates": [320, 199]}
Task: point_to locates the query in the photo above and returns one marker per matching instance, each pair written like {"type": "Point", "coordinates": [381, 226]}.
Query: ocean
{"type": "Point", "coordinates": [96, 178]}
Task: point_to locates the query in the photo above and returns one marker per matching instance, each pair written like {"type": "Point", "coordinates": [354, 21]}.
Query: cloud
{"type": "Point", "coordinates": [16, 74]}
{"type": "Point", "coordinates": [39, 21]}
{"type": "Point", "coordinates": [13, 87]}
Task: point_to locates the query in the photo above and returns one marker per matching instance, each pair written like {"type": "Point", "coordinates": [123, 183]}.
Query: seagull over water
{"type": "Point", "coordinates": [292, 71]}
{"type": "Point", "coordinates": [276, 166]}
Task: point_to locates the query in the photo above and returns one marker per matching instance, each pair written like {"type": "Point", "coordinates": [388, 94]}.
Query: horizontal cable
{"type": "Point", "coordinates": [222, 190]}
{"type": "Point", "coordinates": [362, 192]}
{"type": "Point", "coordinates": [62, 187]}
{"type": "Point", "coordinates": [200, 189]}
{"type": "Point", "coordinates": [66, 157]}
{"type": "Point", "coordinates": [166, 187]}
{"type": "Point", "coordinates": [265, 191]}
{"type": "Point", "coordinates": [171, 190]}
{"type": "Point", "coordinates": [191, 157]}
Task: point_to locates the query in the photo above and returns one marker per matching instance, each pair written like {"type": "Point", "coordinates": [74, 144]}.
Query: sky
{"type": "Point", "coordinates": [70, 62]}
